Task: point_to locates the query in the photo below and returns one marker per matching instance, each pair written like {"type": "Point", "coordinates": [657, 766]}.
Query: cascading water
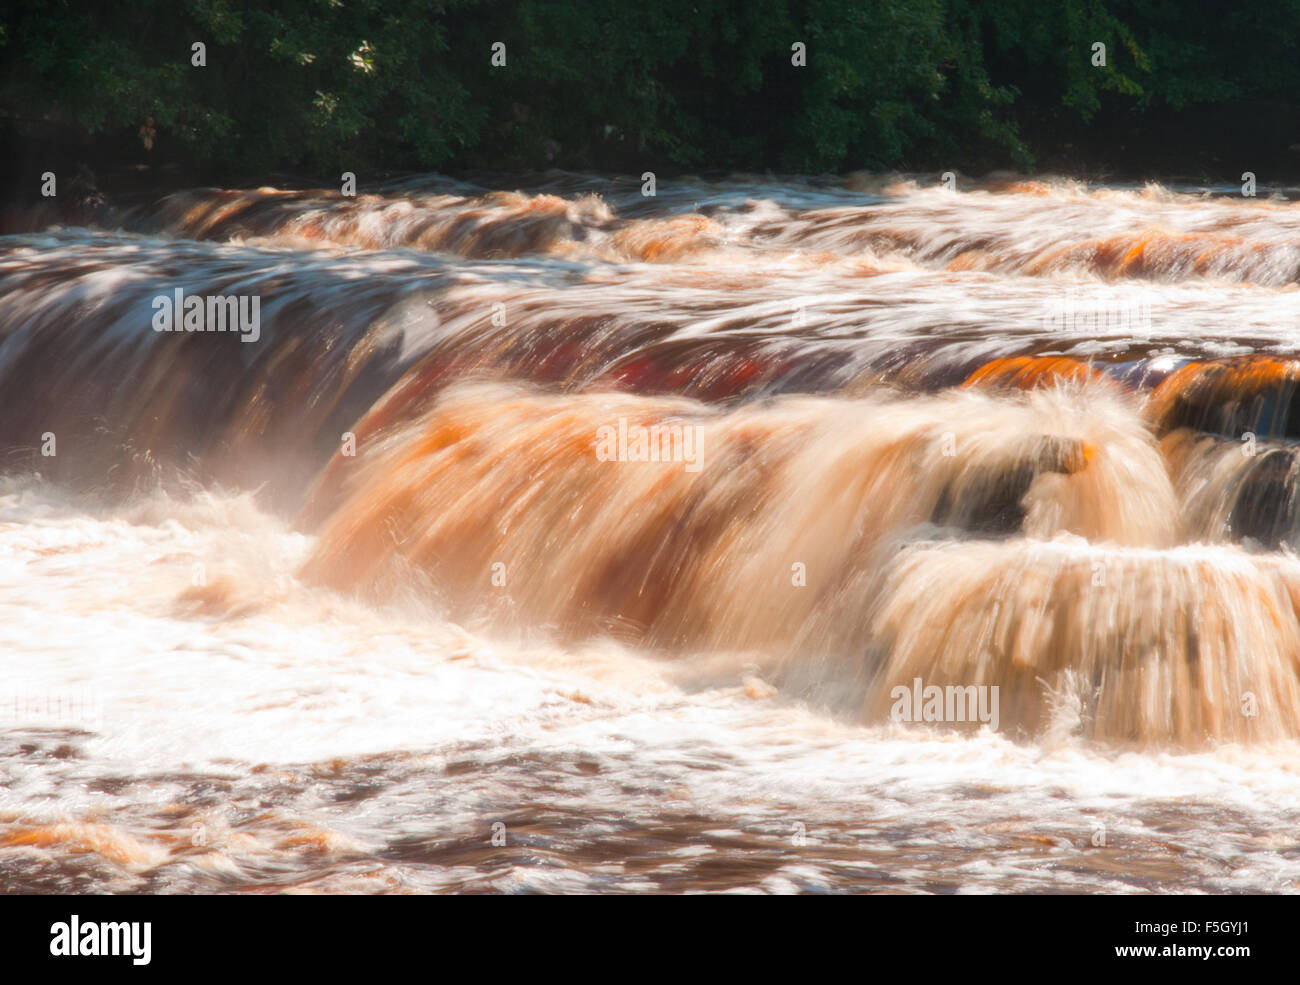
{"type": "Point", "coordinates": [632, 524]}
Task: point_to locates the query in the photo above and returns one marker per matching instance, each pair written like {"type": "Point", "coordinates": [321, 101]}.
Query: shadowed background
{"type": "Point", "coordinates": [1200, 91]}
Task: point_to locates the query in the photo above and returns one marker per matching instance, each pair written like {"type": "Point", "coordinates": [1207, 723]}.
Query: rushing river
{"type": "Point", "coordinates": [569, 539]}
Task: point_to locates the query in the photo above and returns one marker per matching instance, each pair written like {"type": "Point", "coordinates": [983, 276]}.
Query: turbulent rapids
{"type": "Point", "coordinates": [821, 439]}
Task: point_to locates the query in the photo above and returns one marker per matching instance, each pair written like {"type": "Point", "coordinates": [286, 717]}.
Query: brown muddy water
{"type": "Point", "coordinates": [565, 539]}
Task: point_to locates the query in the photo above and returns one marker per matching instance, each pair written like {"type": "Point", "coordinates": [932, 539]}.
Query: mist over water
{"type": "Point", "coordinates": [619, 521]}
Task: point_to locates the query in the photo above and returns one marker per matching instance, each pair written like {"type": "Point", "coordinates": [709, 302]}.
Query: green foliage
{"type": "Point", "coordinates": [314, 83]}
{"type": "Point", "coordinates": [351, 84]}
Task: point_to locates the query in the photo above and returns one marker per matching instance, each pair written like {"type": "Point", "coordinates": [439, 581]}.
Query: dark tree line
{"type": "Point", "coordinates": [328, 85]}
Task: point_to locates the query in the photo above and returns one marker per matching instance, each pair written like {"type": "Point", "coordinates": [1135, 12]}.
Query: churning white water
{"type": "Point", "coordinates": [237, 658]}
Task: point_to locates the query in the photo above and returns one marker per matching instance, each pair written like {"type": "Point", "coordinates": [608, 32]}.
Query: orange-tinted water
{"type": "Point", "coordinates": [556, 538]}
